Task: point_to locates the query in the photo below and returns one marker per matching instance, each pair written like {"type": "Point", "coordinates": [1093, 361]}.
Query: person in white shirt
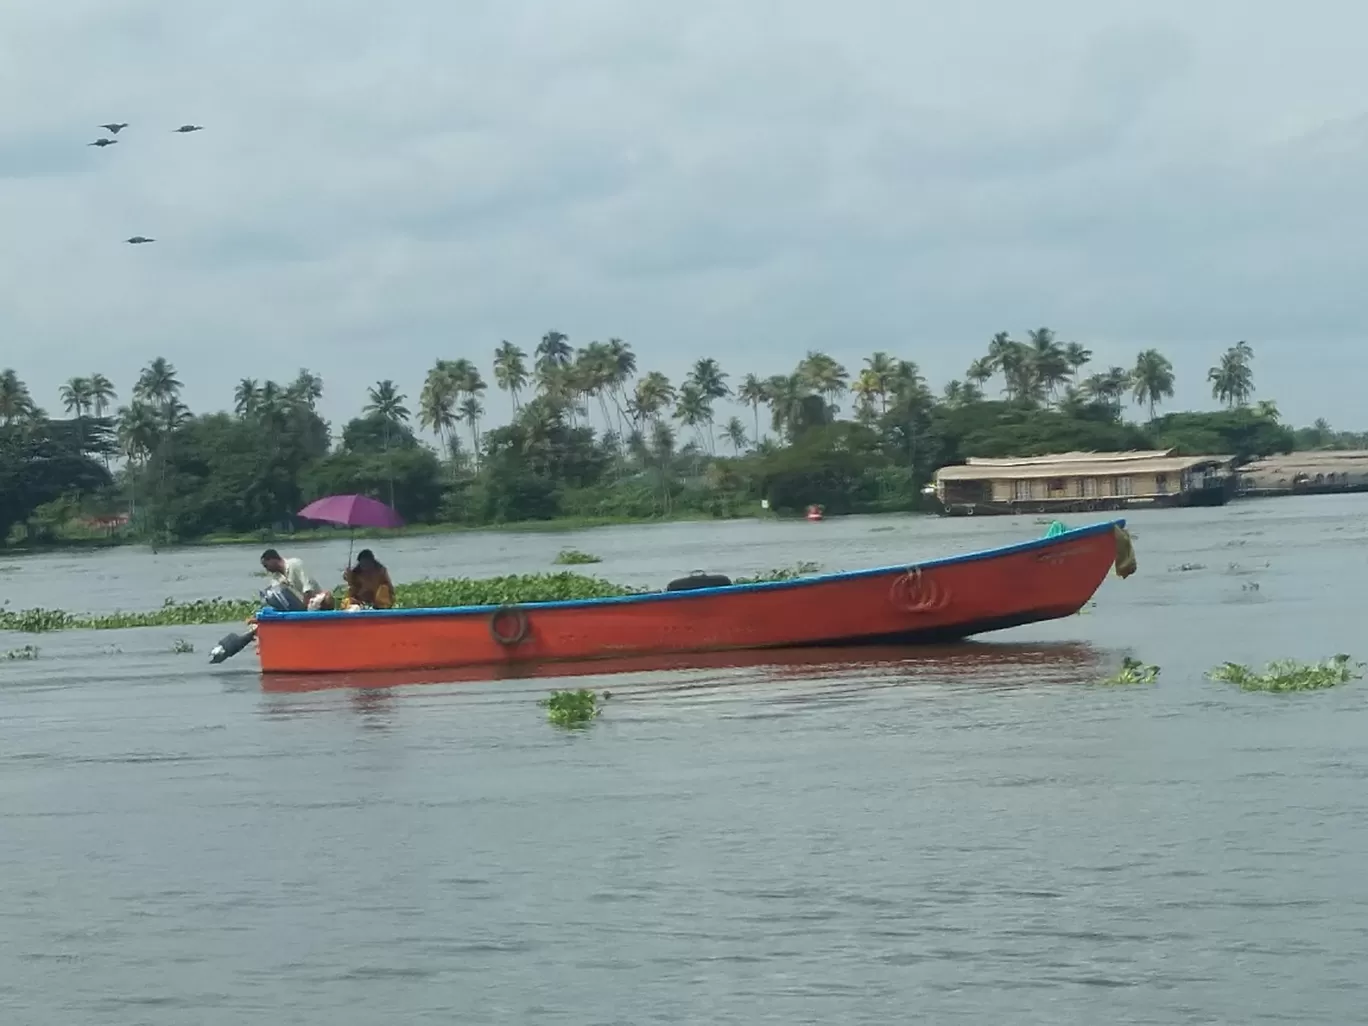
{"type": "Point", "coordinates": [291, 574]}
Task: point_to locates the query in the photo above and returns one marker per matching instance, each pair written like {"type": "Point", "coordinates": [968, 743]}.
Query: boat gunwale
{"type": "Point", "coordinates": [276, 616]}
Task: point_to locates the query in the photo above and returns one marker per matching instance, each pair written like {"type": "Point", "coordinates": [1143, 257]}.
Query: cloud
{"type": "Point", "coordinates": [378, 187]}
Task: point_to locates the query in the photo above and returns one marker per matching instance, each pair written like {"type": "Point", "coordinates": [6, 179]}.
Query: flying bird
{"type": "Point", "coordinates": [113, 129]}
{"type": "Point", "coordinates": [190, 128]}
{"type": "Point", "coordinates": [138, 240]}
{"type": "Point", "coordinates": [103, 142]}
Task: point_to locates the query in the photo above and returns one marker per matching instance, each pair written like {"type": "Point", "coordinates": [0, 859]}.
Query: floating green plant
{"type": "Point", "coordinates": [27, 652]}
{"type": "Point", "coordinates": [804, 569]}
{"type": "Point", "coordinates": [182, 647]}
{"type": "Point", "coordinates": [1133, 671]}
{"type": "Point", "coordinates": [573, 708]}
{"type": "Point", "coordinates": [1290, 675]}
{"type": "Point", "coordinates": [574, 557]}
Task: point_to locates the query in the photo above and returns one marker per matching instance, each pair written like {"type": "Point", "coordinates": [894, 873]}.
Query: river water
{"type": "Point", "coordinates": [971, 834]}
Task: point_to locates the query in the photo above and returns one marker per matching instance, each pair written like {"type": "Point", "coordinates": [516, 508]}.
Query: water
{"type": "Point", "coordinates": [972, 834]}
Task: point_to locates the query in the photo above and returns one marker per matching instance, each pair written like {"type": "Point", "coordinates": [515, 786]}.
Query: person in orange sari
{"type": "Point", "coordinates": [368, 584]}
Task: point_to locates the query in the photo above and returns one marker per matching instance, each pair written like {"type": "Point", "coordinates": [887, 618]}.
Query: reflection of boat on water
{"type": "Point", "coordinates": [932, 602]}
{"type": "Point", "coordinates": [987, 663]}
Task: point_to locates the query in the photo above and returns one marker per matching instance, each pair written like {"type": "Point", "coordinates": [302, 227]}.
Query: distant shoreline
{"type": "Point", "coordinates": [325, 534]}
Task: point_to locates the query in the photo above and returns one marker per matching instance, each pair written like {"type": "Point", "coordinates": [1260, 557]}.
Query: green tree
{"type": "Point", "coordinates": [1152, 379]}
{"type": "Point", "coordinates": [510, 370]}
{"type": "Point", "coordinates": [15, 402]}
{"type": "Point", "coordinates": [1232, 379]}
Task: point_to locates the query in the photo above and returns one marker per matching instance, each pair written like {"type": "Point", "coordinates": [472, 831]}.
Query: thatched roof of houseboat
{"type": "Point", "coordinates": [1098, 464]}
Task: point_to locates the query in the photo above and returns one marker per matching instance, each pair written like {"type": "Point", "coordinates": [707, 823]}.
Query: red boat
{"type": "Point", "coordinates": [935, 601]}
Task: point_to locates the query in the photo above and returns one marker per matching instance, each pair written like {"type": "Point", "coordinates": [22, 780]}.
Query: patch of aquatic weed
{"type": "Point", "coordinates": [790, 573]}
{"type": "Point", "coordinates": [1289, 675]}
{"type": "Point", "coordinates": [1133, 671]}
{"type": "Point", "coordinates": [573, 708]}
{"type": "Point", "coordinates": [15, 654]}
{"type": "Point", "coordinates": [575, 557]}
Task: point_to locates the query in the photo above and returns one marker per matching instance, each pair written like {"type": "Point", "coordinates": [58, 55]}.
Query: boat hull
{"type": "Point", "coordinates": [936, 601]}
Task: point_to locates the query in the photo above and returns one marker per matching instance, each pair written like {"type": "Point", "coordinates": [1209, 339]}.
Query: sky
{"type": "Point", "coordinates": [378, 186]}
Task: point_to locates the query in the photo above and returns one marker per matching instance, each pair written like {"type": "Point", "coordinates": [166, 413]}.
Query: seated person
{"type": "Point", "coordinates": [290, 573]}
{"type": "Point", "coordinates": [368, 584]}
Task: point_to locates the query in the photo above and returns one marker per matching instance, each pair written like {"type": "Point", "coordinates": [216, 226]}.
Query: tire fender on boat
{"type": "Point", "coordinates": [520, 628]}
{"type": "Point", "coordinates": [913, 592]}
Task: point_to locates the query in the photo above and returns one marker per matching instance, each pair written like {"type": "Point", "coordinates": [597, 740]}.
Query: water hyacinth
{"type": "Point", "coordinates": [1290, 675]}
{"type": "Point", "coordinates": [14, 654]}
{"type": "Point", "coordinates": [572, 708]}
{"type": "Point", "coordinates": [1133, 671]}
{"type": "Point", "coordinates": [574, 557]}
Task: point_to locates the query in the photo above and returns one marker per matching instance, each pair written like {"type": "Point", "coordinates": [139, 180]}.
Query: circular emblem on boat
{"type": "Point", "coordinates": [519, 623]}
{"type": "Point", "coordinates": [914, 592]}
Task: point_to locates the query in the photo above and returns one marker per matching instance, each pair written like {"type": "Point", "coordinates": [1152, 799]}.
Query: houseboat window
{"type": "Point", "coordinates": [1057, 486]}
{"type": "Point", "coordinates": [1023, 490]}
{"type": "Point", "coordinates": [1161, 483]}
{"type": "Point", "coordinates": [1123, 486]}
{"type": "Point", "coordinates": [1090, 487]}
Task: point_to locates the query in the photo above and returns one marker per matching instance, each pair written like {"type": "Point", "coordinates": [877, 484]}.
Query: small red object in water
{"type": "Point", "coordinates": [814, 512]}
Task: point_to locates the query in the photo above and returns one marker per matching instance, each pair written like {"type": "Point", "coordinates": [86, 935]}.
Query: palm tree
{"type": "Point", "coordinates": [880, 369]}
{"type": "Point", "coordinates": [15, 401]}
{"type": "Point", "coordinates": [306, 389]}
{"type": "Point", "coordinates": [823, 375]}
{"type": "Point", "coordinates": [624, 365]}
{"type": "Point", "coordinates": [387, 402]}
{"type": "Point", "coordinates": [693, 408]}
{"type": "Point", "coordinates": [1267, 409]}
{"type": "Point", "coordinates": [157, 383]}
{"type": "Point", "coordinates": [735, 433]}
{"type": "Point", "coordinates": [785, 394]}
{"type": "Point", "coordinates": [76, 398]}
{"type": "Point", "coordinates": [868, 388]}
{"type": "Point", "coordinates": [437, 403]}
{"type": "Point", "coordinates": [554, 350]}
{"type": "Point", "coordinates": [139, 434]}
{"type": "Point", "coordinates": [653, 393]}
{"type": "Point", "coordinates": [1152, 379]}
{"type": "Point", "coordinates": [1232, 379]}
{"type": "Point", "coordinates": [246, 397]}
{"type": "Point", "coordinates": [1049, 362]}
{"type": "Point", "coordinates": [1077, 356]}
{"type": "Point", "coordinates": [752, 393]}
{"type": "Point", "coordinates": [709, 379]}
{"type": "Point", "coordinates": [980, 372]}
{"type": "Point", "coordinates": [510, 370]}
{"type": "Point", "coordinates": [471, 412]}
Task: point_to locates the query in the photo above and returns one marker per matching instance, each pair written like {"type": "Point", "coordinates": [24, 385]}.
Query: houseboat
{"type": "Point", "coordinates": [1304, 473]}
{"type": "Point", "coordinates": [1080, 482]}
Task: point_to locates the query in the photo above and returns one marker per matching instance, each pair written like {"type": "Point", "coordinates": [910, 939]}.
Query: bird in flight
{"type": "Point", "coordinates": [190, 128]}
{"type": "Point", "coordinates": [113, 128]}
{"type": "Point", "coordinates": [138, 240]}
{"type": "Point", "coordinates": [103, 142]}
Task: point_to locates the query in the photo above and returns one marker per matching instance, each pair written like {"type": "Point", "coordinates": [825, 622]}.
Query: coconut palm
{"type": "Point", "coordinates": [1077, 356]}
{"type": "Point", "coordinates": [246, 397]}
{"type": "Point", "coordinates": [387, 402]}
{"type": "Point", "coordinates": [1152, 379]}
{"type": "Point", "coordinates": [693, 408]}
{"type": "Point", "coordinates": [471, 412]}
{"type": "Point", "coordinates": [824, 375]}
{"type": "Point", "coordinates": [158, 383]}
{"type": "Point", "coordinates": [871, 393]}
{"type": "Point", "coordinates": [510, 370]}
{"type": "Point", "coordinates": [735, 433]}
{"type": "Point", "coordinates": [437, 403]}
{"type": "Point", "coordinates": [879, 368]}
{"type": "Point", "coordinates": [554, 350]}
{"type": "Point", "coordinates": [76, 396]}
{"type": "Point", "coordinates": [653, 394]}
{"type": "Point", "coordinates": [1232, 379]}
{"type": "Point", "coordinates": [15, 402]}
{"type": "Point", "coordinates": [102, 395]}
{"type": "Point", "coordinates": [305, 390]}
{"type": "Point", "coordinates": [752, 393]}
{"type": "Point", "coordinates": [785, 394]}
{"type": "Point", "coordinates": [1049, 362]}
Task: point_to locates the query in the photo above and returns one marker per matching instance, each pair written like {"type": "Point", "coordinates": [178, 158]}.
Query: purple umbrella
{"type": "Point", "coordinates": [352, 511]}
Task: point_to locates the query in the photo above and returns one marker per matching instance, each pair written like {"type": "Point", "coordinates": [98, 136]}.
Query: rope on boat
{"type": "Point", "coordinates": [519, 631]}
{"type": "Point", "coordinates": [913, 592]}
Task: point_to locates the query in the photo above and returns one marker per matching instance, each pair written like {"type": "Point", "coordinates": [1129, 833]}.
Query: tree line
{"type": "Point", "coordinates": [590, 436]}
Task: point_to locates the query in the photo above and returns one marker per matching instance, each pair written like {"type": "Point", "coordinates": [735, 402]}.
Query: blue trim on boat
{"type": "Point", "coordinates": [672, 596]}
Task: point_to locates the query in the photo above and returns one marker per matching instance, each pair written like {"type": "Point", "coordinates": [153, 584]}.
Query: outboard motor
{"type": "Point", "coordinates": [283, 599]}
{"type": "Point", "coordinates": [231, 646]}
